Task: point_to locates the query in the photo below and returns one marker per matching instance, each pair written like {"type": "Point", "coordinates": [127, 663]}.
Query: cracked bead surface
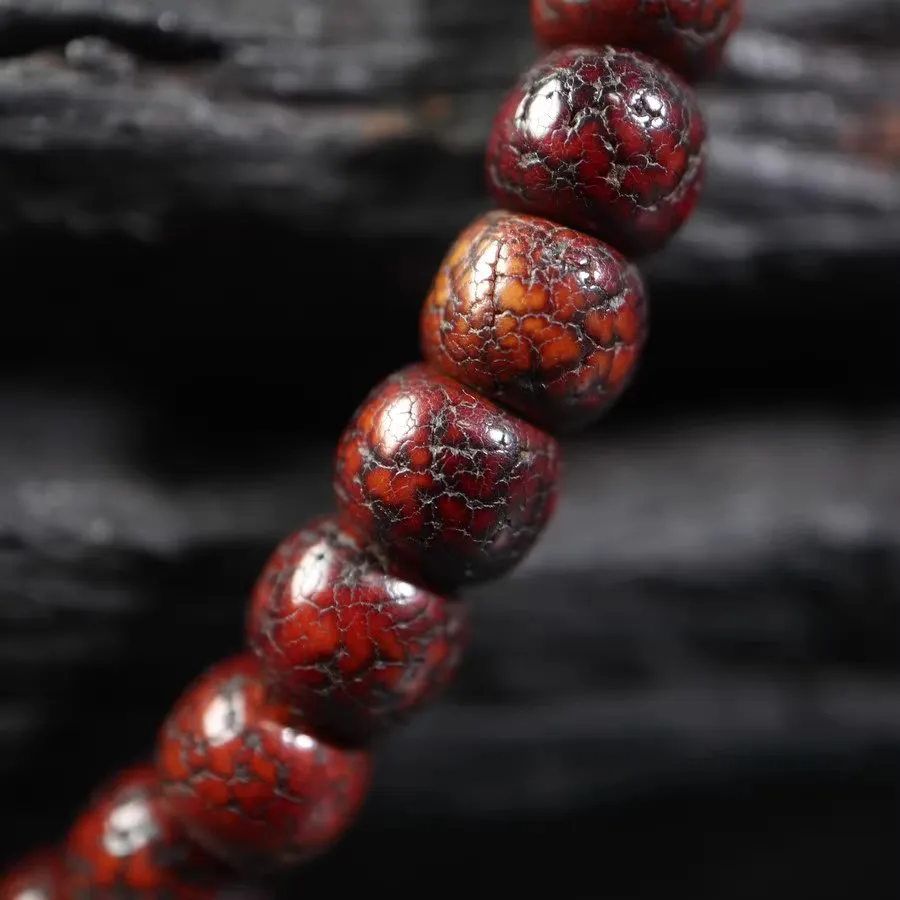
{"type": "Point", "coordinates": [453, 487]}
{"type": "Point", "coordinates": [607, 141]}
{"type": "Point", "coordinates": [37, 877]}
{"type": "Point", "coordinates": [127, 845]}
{"type": "Point", "coordinates": [249, 784]}
{"type": "Point", "coordinates": [350, 643]}
{"type": "Point", "coordinates": [544, 319]}
{"type": "Point", "coordinates": [688, 35]}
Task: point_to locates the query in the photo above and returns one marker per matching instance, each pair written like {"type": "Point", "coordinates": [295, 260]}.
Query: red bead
{"type": "Point", "coordinates": [127, 845]}
{"type": "Point", "coordinates": [37, 877]}
{"type": "Point", "coordinates": [245, 782]}
{"type": "Point", "coordinates": [352, 645]}
{"type": "Point", "coordinates": [606, 141]}
{"type": "Point", "coordinates": [451, 485]}
{"type": "Point", "coordinates": [688, 35]}
{"type": "Point", "coordinates": [544, 319]}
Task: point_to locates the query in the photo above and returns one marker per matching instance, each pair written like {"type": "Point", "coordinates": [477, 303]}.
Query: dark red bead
{"type": "Point", "coordinates": [127, 845]}
{"type": "Point", "coordinates": [246, 782]}
{"type": "Point", "coordinates": [688, 35]}
{"type": "Point", "coordinates": [37, 877]}
{"type": "Point", "coordinates": [606, 141]}
{"type": "Point", "coordinates": [349, 642]}
{"type": "Point", "coordinates": [544, 319]}
{"type": "Point", "coordinates": [451, 485]}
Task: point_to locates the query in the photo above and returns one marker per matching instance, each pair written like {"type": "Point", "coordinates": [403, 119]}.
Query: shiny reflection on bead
{"type": "Point", "coordinates": [297, 739]}
{"type": "Point", "coordinates": [225, 716]}
{"type": "Point", "coordinates": [130, 827]}
{"type": "Point", "coordinates": [311, 574]}
{"type": "Point", "coordinates": [649, 109]}
{"type": "Point", "coordinates": [399, 419]}
{"type": "Point", "coordinates": [402, 591]}
{"type": "Point", "coordinates": [540, 112]}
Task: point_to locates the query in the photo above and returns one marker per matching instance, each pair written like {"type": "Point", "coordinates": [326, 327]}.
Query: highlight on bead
{"type": "Point", "coordinates": [541, 318]}
{"type": "Point", "coordinates": [350, 643]}
{"type": "Point", "coordinates": [688, 35]}
{"type": "Point", "coordinates": [250, 784]}
{"type": "Point", "coordinates": [453, 487]}
{"type": "Point", "coordinates": [606, 141]}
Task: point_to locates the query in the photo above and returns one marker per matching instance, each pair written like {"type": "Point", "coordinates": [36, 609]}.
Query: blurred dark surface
{"type": "Point", "coordinates": [218, 221]}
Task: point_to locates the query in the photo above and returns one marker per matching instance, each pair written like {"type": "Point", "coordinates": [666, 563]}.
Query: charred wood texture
{"type": "Point", "coordinates": [369, 118]}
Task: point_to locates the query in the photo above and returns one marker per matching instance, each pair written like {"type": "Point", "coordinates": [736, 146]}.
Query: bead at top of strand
{"type": "Point", "coordinates": [688, 35]}
{"type": "Point", "coordinates": [606, 141]}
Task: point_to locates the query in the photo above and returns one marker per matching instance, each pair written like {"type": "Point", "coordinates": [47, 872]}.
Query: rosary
{"type": "Point", "coordinates": [446, 475]}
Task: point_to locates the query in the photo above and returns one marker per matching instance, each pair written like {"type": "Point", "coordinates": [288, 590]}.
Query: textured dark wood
{"type": "Point", "coordinates": [369, 118]}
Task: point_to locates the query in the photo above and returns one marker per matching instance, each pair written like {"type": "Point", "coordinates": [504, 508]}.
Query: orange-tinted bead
{"type": "Point", "coordinates": [544, 319]}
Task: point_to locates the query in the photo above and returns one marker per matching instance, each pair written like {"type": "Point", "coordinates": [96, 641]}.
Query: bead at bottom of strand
{"type": "Point", "coordinates": [449, 484]}
{"type": "Point", "coordinates": [128, 846]}
{"type": "Point", "coordinates": [37, 877]}
{"type": "Point", "coordinates": [354, 646]}
{"type": "Point", "coordinates": [247, 782]}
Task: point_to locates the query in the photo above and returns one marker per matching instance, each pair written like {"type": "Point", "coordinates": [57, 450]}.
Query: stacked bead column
{"type": "Point", "coordinates": [446, 475]}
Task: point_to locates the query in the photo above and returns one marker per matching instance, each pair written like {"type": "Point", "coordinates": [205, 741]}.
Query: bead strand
{"type": "Point", "coordinates": [353, 625]}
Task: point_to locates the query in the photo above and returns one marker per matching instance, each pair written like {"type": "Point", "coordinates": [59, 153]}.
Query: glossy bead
{"type": "Point", "coordinates": [544, 319]}
{"type": "Point", "coordinates": [351, 644]}
{"type": "Point", "coordinates": [688, 35]}
{"type": "Point", "coordinates": [127, 845]}
{"type": "Point", "coordinates": [606, 141]}
{"type": "Point", "coordinates": [37, 877]}
{"type": "Point", "coordinates": [451, 485]}
{"type": "Point", "coordinates": [245, 782]}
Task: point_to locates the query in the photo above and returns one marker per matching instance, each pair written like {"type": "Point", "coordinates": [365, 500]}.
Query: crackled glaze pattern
{"type": "Point", "coordinates": [452, 486]}
{"type": "Point", "coordinates": [127, 846]}
{"type": "Point", "coordinates": [606, 141]}
{"type": "Point", "coordinates": [352, 645]}
{"type": "Point", "coordinates": [246, 782]}
{"type": "Point", "coordinates": [37, 877]}
{"type": "Point", "coordinates": [688, 35]}
{"type": "Point", "coordinates": [544, 319]}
